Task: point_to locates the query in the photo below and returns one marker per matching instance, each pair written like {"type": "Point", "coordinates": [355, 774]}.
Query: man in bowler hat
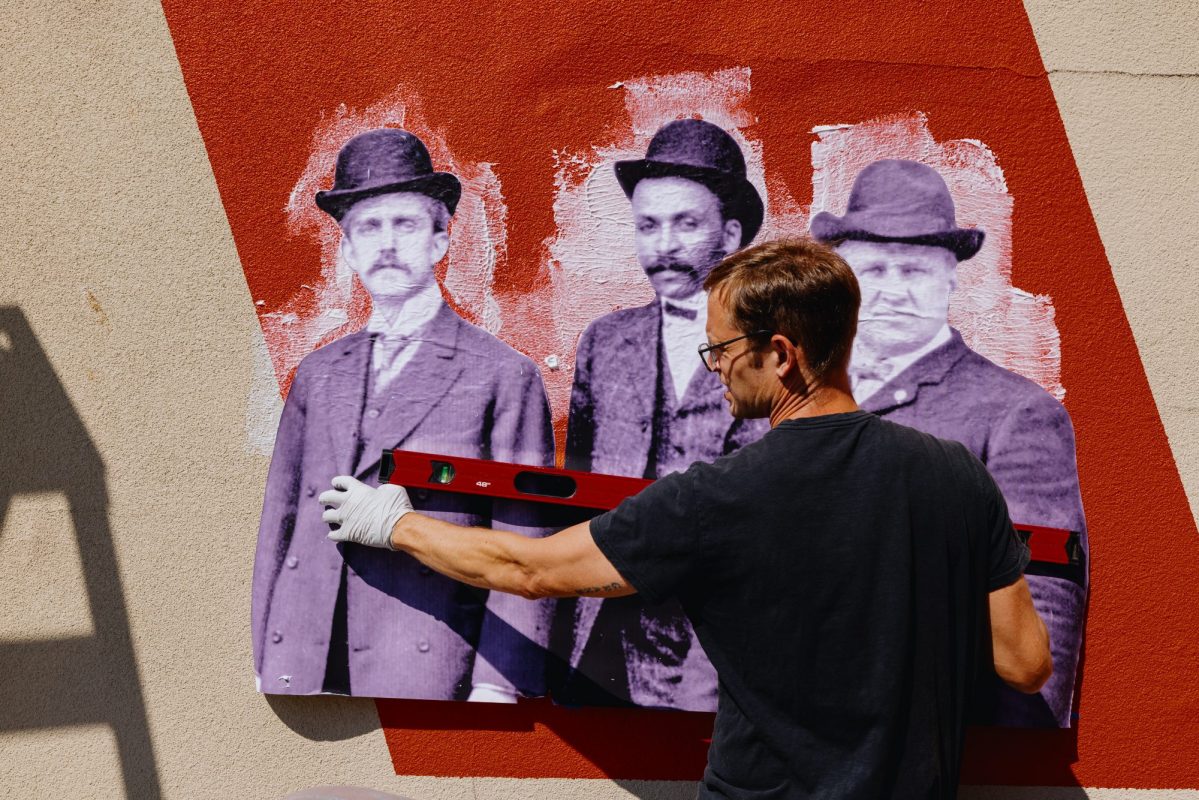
{"type": "Point", "coordinates": [642, 406]}
{"type": "Point", "coordinates": [900, 237]}
{"type": "Point", "coordinates": [348, 619]}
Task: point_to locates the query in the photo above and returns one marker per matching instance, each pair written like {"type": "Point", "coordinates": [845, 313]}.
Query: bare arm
{"type": "Point", "coordinates": [1019, 639]}
{"type": "Point", "coordinates": [567, 564]}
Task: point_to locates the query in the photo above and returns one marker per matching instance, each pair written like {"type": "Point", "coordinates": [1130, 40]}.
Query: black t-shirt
{"type": "Point", "coordinates": [836, 572]}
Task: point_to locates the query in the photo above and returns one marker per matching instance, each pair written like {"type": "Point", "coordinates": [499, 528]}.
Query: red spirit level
{"type": "Point", "coordinates": [512, 481]}
{"type": "Point", "coordinates": [1055, 552]}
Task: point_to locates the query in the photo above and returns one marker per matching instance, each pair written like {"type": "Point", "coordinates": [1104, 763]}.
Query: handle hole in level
{"type": "Point", "coordinates": [545, 485]}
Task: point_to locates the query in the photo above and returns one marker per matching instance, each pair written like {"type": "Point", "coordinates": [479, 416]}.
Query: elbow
{"type": "Point", "coordinates": [1030, 681]}
{"type": "Point", "coordinates": [1040, 676]}
{"type": "Point", "coordinates": [1028, 677]}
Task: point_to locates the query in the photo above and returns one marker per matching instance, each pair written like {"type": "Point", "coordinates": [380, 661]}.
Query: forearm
{"type": "Point", "coordinates": [1019, 639]}
{"type": "Point", "coordinates": [566, 564]}
{"type": "Point", "coordinates": [479, 557]}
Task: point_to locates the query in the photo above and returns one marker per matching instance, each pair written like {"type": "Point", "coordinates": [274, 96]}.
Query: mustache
{"type": "Point", "coordinates": [891, 313]}
{"type": "Point", "coordinates": [386, 262]}
{"type": "Point", "coordinates": [669, 265]}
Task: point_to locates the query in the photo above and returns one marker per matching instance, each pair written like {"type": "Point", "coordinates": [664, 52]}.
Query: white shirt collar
{"type": "Point", "coordinates": [409, 317]}
{"type": "Point", "coordinates": [906, 360]}
{"type": "Point", "coordinates": [867, 382]}
{"type": "Point", "coordinates": [697, 302]}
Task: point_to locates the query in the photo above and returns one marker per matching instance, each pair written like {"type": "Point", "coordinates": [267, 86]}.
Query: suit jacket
{"type": "Point", "coordinates": [1025, 438]}
{"type": "Point", "coordinates": [411, 632]}
{"type": "Point", "coordinates": [610, 431]}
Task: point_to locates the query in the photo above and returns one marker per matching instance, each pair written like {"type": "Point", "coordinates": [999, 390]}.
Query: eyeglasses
{"type": "Point", "coordinates": [710, 353]}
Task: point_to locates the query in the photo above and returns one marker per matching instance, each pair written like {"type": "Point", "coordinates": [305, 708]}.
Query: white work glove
{"type": "Point", "coordinates": [366, 514]}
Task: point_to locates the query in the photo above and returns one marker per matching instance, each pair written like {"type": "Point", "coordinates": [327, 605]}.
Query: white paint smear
{"type": "Point", "coordinates": [338, 304]}
{"type": "Point", "coordinates": [1011, 327]}
{"type": "Point", "coordinates": [591, 259]}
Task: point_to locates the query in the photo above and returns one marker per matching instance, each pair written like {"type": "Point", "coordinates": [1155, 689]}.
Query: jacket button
{"type": "Point", "coordinates": [292, 562]}
{"type": "Point", "coordinates": [311, 491]}
{"type": "Point", "coordinates": [423, 645]}
{"type": "Point", "coordinates": [373, 413]}
{"type": "Point", "coordinates": [901, 395]}
{"type": "Point", "coordinates": [276, 637]}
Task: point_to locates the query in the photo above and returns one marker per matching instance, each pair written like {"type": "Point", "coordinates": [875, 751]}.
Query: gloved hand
{"type": "Point", "coordinates": [366, 514]}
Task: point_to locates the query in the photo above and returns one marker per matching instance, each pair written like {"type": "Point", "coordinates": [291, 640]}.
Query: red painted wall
{"type": "Point", "coordinates": [509, 84]}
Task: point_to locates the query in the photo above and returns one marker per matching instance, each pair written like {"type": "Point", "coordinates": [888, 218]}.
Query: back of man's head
{"type": "Point", "coordinates": [797, 288]}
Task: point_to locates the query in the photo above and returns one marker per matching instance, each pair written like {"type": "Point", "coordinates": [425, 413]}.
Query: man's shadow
{"type": "Point", "coordinates": [74, 680]}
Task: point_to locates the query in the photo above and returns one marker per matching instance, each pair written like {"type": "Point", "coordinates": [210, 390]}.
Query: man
{"type": "Point", "coordinates": [348, 619]}
{"type": "Point", "coordinates": [641, 406]}
{"type": "Point", "coordinates": [840, 571]}
{"type": "Point", "coordinates": [902, 241]}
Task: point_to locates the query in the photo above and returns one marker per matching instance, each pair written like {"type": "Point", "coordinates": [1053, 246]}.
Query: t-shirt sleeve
{"type": "Point", "coordinates": [1009, 554]}
{"type": "Point", "coordinates": [652, 537]}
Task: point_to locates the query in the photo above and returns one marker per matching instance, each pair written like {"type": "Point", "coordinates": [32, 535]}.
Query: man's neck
{"type": "Point", "coordinates": [832, 397]}
{"type": "Point", "coordinates": [404, 315]}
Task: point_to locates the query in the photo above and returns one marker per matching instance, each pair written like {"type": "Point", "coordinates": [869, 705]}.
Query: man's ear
{"type": "Point", "coordinates": [440, 245]}
{"type": "Point", "coordinates": [730, 239]}
{"type": "Point", "coordinates": [791, 368]}
{"type": "Point", "coordinates": [786, 355]}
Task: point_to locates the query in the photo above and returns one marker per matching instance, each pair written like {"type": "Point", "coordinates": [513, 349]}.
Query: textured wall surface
{"type": "Point", "coordinates": [129, 329]}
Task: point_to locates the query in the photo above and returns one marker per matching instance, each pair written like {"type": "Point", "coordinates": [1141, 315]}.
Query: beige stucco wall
{"type": "Point", "coordinates": [1125, 78]}
{"type": "Point", "coordinates": [117, 252]}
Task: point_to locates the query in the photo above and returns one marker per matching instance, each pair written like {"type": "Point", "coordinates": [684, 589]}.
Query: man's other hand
{"type": "Point", "coordinates": [364, 513]}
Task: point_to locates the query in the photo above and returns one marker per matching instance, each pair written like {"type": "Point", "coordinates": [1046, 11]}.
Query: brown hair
{"type": "Point", "coordinates": [797, 288]}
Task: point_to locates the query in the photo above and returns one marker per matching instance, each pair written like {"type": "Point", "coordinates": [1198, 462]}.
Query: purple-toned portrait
{"type": "Point", "coordinates": [909, 365]}
{"type": "Point", "coordinates": [642, 404]}
{"type": "Point", "coordinates": [346, 619]}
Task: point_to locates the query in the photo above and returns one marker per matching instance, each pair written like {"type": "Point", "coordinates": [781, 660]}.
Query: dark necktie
{"type": "Point", "coordinates": [679, 311]}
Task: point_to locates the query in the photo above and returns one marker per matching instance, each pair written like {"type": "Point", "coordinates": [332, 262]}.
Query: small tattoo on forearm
{"type": "Point", "coordinates": [611, 587]}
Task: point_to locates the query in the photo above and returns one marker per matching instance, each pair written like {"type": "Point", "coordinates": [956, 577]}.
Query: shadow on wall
{"type": "Point", "coordinates": [44, 447]}
{"type": "Point", "coordinates": [325, 718]}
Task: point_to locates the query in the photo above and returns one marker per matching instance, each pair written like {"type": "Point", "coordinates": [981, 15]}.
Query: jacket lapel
{"type": "Point", "coordinates": [703, 390]}
{"type": "Point", "coordinates": [424, 382]}
{"type": "Point", "coordinates": [904, 388]}
{"type": "Point", "coordinates": [635, 368]}
{"type": "Point", "coordinates": [346, 387]}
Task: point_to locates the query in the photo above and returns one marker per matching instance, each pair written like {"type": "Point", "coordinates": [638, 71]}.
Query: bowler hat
{"type": "Point", "coordinates": [382, 161]}
{"type": "Point", "coordinates": [899, 201]}
{"type": "Point", "coordinates": [704, 153]}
